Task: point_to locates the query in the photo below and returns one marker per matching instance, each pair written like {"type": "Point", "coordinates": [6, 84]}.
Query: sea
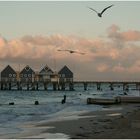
{"type": "Point", "coordinates": [19, 120]}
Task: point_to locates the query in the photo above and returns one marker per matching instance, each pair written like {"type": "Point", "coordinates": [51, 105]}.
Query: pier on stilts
{"type": "Point", "coordinates": [70, 86]}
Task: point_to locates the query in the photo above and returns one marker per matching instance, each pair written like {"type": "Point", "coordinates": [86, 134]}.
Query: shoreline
{"type": "Point", "coordinates": [105, 124]}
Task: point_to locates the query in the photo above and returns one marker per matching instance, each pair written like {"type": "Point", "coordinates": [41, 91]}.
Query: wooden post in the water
{"type": "Point", "coordinates": [62, 86]}
{"type": "Point", "coordinates": [98, 86]}
{"type": "Point", "coordinates": [27, 86]}
{"type": "Point", "coordinates": [6, 84]}
{"type": "Point", "coordinates": [36, 85]}
{"type": "Point", "coordinates": [125, 87]}
{"type": "Point", "coordinates": [85, 86]}
{"type": "Point", "coordinates": [33, 85]}
{"type": "Point", "coordinates": [71, 88]}
{"type": "Point", "coordinates": [9, 85]}
{"type": "Point", "coordinates": [1, 86]}
{"type": "Point", "coordinates": [59, 86]}
{"type": "Point", "coordinates": [111, 86]}
{"type": "Point", "coordinates": [18, 86]}
{"type": "Point", "coordinates": [137, 86]}
{"type": "Point", "coordinates": [45, 85]}
{"type": "Point", "coordinates": [54, 86]}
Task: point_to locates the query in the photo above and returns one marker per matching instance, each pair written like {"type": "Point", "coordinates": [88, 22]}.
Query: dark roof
{"type": "Point", "coordinates": [7, 70]}
{"type": "Point", "coordinates": [46, 69]}
{"type": "Point", "coordinates": [28, 70]}
{"type": "Point", "coordinates": [65, 70]}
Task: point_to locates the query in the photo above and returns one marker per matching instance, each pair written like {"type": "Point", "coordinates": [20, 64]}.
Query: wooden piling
{"type": "Point", "coordinates": [27, 86]}
{"type": "Point", "coordinates": [125, 87]}
{"type": "Point", "coordinates": [54, 86]}
{"type": "Point", "coordinates": [71, 86]}
{"type": "Point", "coordinates": [1, 86]}
{"type": "Point", "coordinates": [36, 85]}
{"type": "Point", "coordinates": [45, 85]}
{"type": "Point", "coordinates": [33, 85]}
{"type": "Point", "coordinates": [9, 86]}
{"type": "Point", "coordinates": [63, 86]}
{"type": "Point", "coordinates": [85, 86]}
{"type": "Point", "coordinates": [98, 86]}
{"type": "Point", "coordinates": [18, 88]}
{"type": "Point", "coordinates": [111, 86]}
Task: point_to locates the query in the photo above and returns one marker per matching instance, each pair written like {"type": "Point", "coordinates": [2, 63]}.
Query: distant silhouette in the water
{"type": "Point", "coordinates": [64, 100]}
{"type": "Point", "coordinates": [72, 51]}
{"type": "Point", "coordinates": [100, 14]}
{"type": "Point", "coordinates": [125, 93]}
{"type": "Point", "coordinates": [11, 103]}
{"type": "Point", "coordinates": [36, 103]}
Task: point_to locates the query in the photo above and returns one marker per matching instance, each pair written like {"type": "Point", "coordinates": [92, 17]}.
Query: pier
{"type": "Point", "coordinates": [70, 86]}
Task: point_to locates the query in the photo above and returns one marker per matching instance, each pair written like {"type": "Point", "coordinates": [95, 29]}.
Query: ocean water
{"type": "Point", "coordinates": [16, 121]}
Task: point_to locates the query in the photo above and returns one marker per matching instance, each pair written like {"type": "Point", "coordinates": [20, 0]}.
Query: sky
{"type": "Point", "coordinates": [31, 32]}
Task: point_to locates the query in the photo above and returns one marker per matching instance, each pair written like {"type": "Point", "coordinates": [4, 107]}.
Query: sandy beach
{"type": "Point", "coordinates": [106, 124]}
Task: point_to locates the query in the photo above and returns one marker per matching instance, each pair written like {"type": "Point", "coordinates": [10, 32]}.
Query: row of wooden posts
{"type": "Point", "coordinates": [34, 86]}
{"type": "Point", "coordinates": [56, 86]}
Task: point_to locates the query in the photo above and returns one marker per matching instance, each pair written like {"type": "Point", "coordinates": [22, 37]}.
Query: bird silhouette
{"type": "Point", "coordinates": [100, 14]}
{"type": "Point", "coordinates": [72, 51]}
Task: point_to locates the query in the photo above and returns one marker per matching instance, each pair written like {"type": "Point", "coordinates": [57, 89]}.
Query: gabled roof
{"type": "Point", "coordinates": [27, 69]}
{"type": "Point", "coordinates": [8, 70]}
{"type": "Point", "coordinates": [45, 70]}
{"type": "Point", "coordinates": [65, 70]}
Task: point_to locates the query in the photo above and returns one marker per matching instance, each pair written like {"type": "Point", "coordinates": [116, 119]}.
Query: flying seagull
{"type": "Point", "coordinates": [100, 14]}
{"type": "Point", "coordinates": [72, 51]}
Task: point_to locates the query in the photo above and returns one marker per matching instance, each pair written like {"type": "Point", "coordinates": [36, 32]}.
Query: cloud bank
{"type": "Point", "coordinates": [114, 57]}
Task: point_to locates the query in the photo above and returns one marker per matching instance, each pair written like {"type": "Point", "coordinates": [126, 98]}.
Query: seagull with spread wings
{"type": "Point", "coordinates": [72, 51]}
{"type": "Point", "coordinates": [100, 14]}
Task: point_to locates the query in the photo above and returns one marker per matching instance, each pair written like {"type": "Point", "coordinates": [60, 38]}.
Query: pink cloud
{"type": "Point", "coordinates": [113, 28]}
{"type": "Point", "coordinates": [2, 42]}
{"type": "Point", "coordinates": [102, 54]}
{"type": "Point", "coordinates": [135, 68]}
{"type": "Point", "coordinates": [118, 68]}
{"type": "Point", "coordinates": [131, 35]}
{"type": "Point", "coordinates": [102, 67]}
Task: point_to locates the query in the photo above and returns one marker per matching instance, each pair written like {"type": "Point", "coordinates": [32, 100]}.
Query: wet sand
{"type": "Point", "coordinates": [105, 124]}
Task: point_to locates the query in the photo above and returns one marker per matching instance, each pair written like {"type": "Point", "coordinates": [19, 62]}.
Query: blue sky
{"type": "Point", "coordinates": [32, 32]}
